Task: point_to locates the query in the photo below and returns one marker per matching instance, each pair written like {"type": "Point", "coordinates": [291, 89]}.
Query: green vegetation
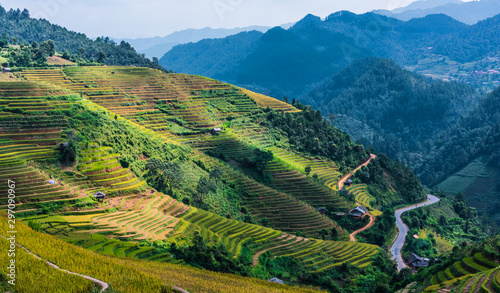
{"type": "Point", "coordinates": [471, 261]}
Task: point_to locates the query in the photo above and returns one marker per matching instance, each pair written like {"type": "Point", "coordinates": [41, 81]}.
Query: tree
{"type": "Point", "coordinates": [308, 170]}
{"type": "Point", "coordinates": [262, 158]}
{"type": "Point", "coordinates": [82, 52]}
{"type": "Point", "coordinates": [102, 56]}
{"type": "Point", "coordinates": [323, 233]}
{"type": "Point", "coordinates": [205, 186]}
{"type": "Point", "coordinates": [216, 173]}
{"type": "Point", "coordinates": [69, 154]}
{"type": "Point", "coordinates": [165, 174]}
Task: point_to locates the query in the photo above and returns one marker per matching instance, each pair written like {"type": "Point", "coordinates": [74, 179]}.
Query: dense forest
{"type": "Point", "coordinates": [18, 28]}
{"type": "Point", "coordinates": [475, 134]}
{"type": "Point", "coordinates": [394, 110]}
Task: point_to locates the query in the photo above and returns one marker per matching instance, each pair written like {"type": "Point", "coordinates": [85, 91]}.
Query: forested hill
{"type": "Point", "coordinates": [19, 25]}
{"type": "Point", "coordinates": [477, 134]}
{"type": "Point", "coordinates": [394, 110]}
{"type": "Point", "coordinates": [473, 43]}
{"type": "Point", "coordinates": [313, 50]}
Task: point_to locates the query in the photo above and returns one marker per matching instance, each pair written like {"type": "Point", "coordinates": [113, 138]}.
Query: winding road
{"type": "Point", "coordinates": [403, 230]}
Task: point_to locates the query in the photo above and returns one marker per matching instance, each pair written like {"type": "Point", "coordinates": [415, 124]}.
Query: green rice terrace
{"type": "Point", "coordinates": [198, 123]}
{"type": "Point", "coordinates": [476, 270]}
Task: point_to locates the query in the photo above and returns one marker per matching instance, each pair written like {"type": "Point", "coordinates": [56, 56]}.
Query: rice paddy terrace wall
{"type": "Point", "coordinates": [476, 264]}
{"type": "Point", "coordinates": [31, 123]}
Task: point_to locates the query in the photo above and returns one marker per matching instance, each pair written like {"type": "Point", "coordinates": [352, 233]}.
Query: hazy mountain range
{"type": "Point", "coordinates": [466, 12]}
{"type": "Point", "coordinates": [158, 46]}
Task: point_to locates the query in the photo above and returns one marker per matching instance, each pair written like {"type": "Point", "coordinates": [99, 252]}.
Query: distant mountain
{"type": "Point", "coordinates": [424, 4]}
{"type": "Point", "coordinates": [472, 43]}
{"type": "Point", "coordinates": [158, 46]}
{"type": "Point", "coordinates": [392, 109]}
{"type": "Point", "coordinates": [311, 51]}
{"type": "Point", "coordinates": [213, 57]}
{"type": "Point", "coordinates": [466, 12]}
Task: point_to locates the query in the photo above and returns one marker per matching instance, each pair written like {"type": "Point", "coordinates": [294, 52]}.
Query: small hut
{"type": "Point", "coordinates": [6, 69]}
{"type": "Point", "coordinates": [418, 262]}
{"type": "Point", "coordinates": [62, 146]}
{"type": "Point", "coordinates": [348, 182]}
{"type": "Point", "coordinates": [99, 195]}
{"type": "Point", "coordinates": [216, 130]}
{"type": "Point", "coordinates": [276, 280]}
{"type": "Point", "coordinates": [358, 212]}
{"type": "Point", "coordinates": [322, 210]}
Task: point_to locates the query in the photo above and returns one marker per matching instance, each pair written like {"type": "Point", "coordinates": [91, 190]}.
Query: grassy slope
{"type": "Point", "coordinates": [480, 184]}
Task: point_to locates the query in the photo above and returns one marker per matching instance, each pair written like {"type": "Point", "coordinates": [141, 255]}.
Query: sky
{"type": "Point", "coordinates": [150, 18]}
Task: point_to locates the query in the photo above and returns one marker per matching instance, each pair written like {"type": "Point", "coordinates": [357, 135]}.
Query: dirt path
{"type": "Point", "coordinates": [341, 182]}
{"type": "Point", "coordinates": [352, 236]}
{"type": "Point", "coordinates": [103, 285]}
{"type": "Point", "coordinates": [258, 253]}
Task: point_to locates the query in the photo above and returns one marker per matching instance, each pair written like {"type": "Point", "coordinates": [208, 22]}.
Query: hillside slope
{"type": "Point", "coordinates": [123, 275]}
{"type": "Point", "coordinates": [469, 153]}
{"type": "Point", "coordinates": [469, 12]}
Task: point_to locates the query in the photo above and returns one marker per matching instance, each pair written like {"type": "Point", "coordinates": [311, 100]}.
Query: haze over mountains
{"type": "Point", "coordinates": [466, 12]}
{"type": "Point", "coordinates": [158, 46]}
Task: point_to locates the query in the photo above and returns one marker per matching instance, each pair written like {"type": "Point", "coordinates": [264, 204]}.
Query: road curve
{"type": "Point", "coordinates": [403, 230]}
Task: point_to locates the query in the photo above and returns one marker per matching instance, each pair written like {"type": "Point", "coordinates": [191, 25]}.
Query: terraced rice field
{"type": "Point", "coordinates": [30, 125]}
{"type": "Point", "coordinates": [159, 217]}
{"type": "Point", "coordinates": [101, 166]}
{"type": "Point", "coordinates": [468, 266]}
{"type": "Point", "coordinates": [319, 255]}
{"type": "Point", "coordinates": [363, 197]}
{"type": "Point", "coordinates": [173, 106]}
{"type": "Point", "coordinates": [265, 101]}
{"type": "Point", "coordinates": [482, 282]}
{"type": "Point", "coordinates": [32, 187]}
{"type": "Point", "coordinates": [327, 172]}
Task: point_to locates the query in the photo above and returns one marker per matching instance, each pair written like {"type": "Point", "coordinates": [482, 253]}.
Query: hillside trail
{"type": "Point", "coordinates": [342, 181]}
{"type": "Point", "coordinates": [352, 236]}
{"type": "Point", "coordinates": [103, 284]}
